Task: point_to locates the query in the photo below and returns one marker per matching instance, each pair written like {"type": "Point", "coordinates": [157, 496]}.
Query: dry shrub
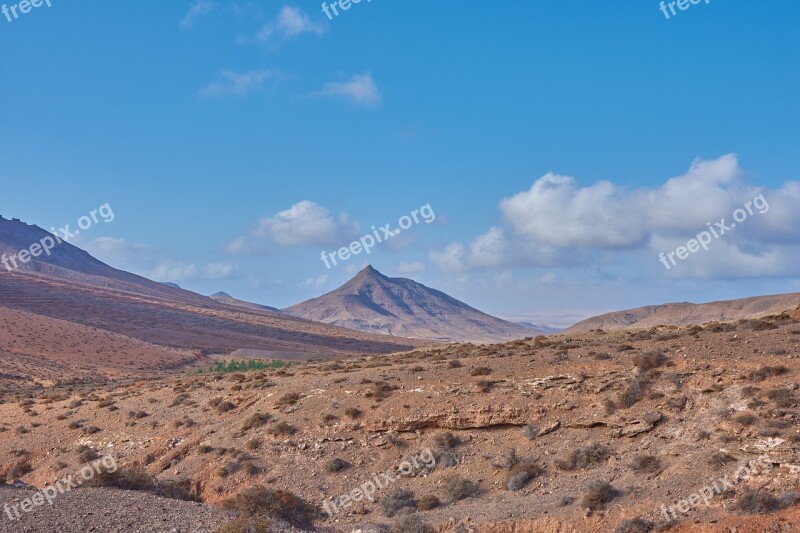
{"type": "Point", "coordinates": [411, 523]}
{"type": "Point", "coordinates": [431, 501]}
{"type": "Point", "coordinates": [766, 372]}
{"type": "Point", "coordinates": [248, 524]}
{"type": "Point", "coordinates": [634, 392]}
{"type": "Point", "coordinates": [719, 459]}
{"type": "Point", "coordinates": [646, 464]}
{"type": "Point", "coordinates": [521, 474]}
{"type": "Point", "coordinates": [398, 501]}
{"type": "Point", "coordinates": [255, 420]}
{"type": "Point", "coordinates": [352, 412]}
{"type": "Point", "coordinates": [530, 431]}
{"type": "Point", "coordinates": [598, 493]}
{"type": "Point", "coordinates": [762, 502]}
{"type": "Point", "coordinates": [649, 360]}
{"type": "Point", "coordinates": [335, 465]}
{"type": "Point", "coordinates": [480, 371]}
{"type": "Point", "coordinates": [635, 525]}
{"type": "Point", "coordinates": [581, 458]}
{"type": "Point", "coordinates": [782, 397]}
{"type": "Point", "coordinates": [457, 488]}
{"type": "Point", "coordinates": [288, 399]}
{"type": "Point", "coordinates": [446, 440]}
{"type": "Point", "coordinates": [745, 419]}
{"type": "Point", "coordinates": [262, 502]}
{"type": "Point", "coordinates": [283, 428]}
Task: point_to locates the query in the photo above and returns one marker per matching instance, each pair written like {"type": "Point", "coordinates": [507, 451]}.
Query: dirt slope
{"type": "Point", "coordinates": [658, 414]}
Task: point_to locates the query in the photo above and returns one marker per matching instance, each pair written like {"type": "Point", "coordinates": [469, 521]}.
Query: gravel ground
{"type": "Point", "coordinates": [110, 511]}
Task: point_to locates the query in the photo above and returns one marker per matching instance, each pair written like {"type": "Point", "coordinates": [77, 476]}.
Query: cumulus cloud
{"type": "Point", "coordinates": [176, 271]}
{"type": "Point", "coordinates": [290, 22]}
{"type": "Point", "coordinates": [303, 224]}
{"type": "Point", "coordinates": [558, 222]}
{"type": "Point", "coordinates": [197, 10]}
{"type": "Point", "coordinates": [360, 89]}
{"type": "Point", "coordinates": [239, 83]}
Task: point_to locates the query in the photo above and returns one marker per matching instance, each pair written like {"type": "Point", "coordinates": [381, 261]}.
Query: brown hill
{"type": "Point", "coordinates": [678, 314]}
{"type": "Point", "coordinates": [76, 296]}
{"type": "Point", "coordinates": [402, 307]}
{"type": "Point", "coordinates": [516, 436]}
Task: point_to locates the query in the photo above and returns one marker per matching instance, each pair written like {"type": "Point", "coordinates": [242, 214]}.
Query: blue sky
{"type": "Point", "coordinates": [237, 141]}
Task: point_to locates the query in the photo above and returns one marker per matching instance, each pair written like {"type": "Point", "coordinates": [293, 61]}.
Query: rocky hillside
{"type": "Point", "coordinates": [611, 432]}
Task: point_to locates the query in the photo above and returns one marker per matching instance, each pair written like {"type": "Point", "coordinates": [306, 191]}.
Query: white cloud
{"type": "Point", "coordinates": [197, 10]}
{"type": "Point", "coordinates": [360, 89]}
{"type": "Point", "coordinates": [303, 224]}
{"type": "Point", "coordinates": [315, 283]}
{"type": "Point", "coordinates": [290, 22]}
{"type": "Point", "coordinates": [176, 271]}
{"type": "Point", "coordinates": [558, 222]}
{"type": "Point", "coordinates": [239, 84]}
{"type": "Point", "coordinates": [416, 267]}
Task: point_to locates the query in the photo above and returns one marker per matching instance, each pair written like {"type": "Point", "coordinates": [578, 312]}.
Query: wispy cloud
{"type": "Point", "coordinates": [360, 89]}
{"type": "Point", "coordinates": [406, 269]}
{"type": "Point", "coordinates": [239, 84]}
{"type": "Point", "coordinates": [176, 271]}
{"type": "Point", "coordinates": [196, 10]}
{"type": "Point", "coordinates": [291, 22]}
{"type": "Point", "coordinates": [315, 283]}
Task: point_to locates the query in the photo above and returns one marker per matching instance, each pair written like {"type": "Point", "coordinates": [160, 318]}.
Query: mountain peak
{"type": "Point", "coordinates": [221, 295]}
{"type": "Point", "coordinates": [369, 271]}
{"type": "Point", "coordinates": [375, 303]}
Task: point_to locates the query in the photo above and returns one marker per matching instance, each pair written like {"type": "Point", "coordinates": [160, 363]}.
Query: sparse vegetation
{"type": "Point", "coordinates": [261, 502]}
{"type": "Point", "coordinates": [766, 372]}
{"type": "Point", "coordinates": [582, 458]}
{"type": "Point", "coordinates": [521, 474]}
{"type": "Point", "coordinates": [635, 525]}
{"type": "Point", "coordinates": [597, 494]}
{"type": "Point", "coordinates": [649, 361]}
{"type": "Point", "coordinates": [646, 464]}
{"type": "Point", "coordinates": [457, 488]}
{"type": "Point", "coordinates": [398, 501]}
{"type": "Point", "coordinates": [336, 465]}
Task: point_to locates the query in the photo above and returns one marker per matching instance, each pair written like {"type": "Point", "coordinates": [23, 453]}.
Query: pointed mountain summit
{"type": "Point", "coordinates": [376, 303]}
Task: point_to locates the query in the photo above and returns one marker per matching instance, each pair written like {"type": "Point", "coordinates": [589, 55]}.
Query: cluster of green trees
{"type": "Point", "coordinates": [242, 366]}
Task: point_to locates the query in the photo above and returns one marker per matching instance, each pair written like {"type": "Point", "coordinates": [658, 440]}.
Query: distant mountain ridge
{"type": "Point", "coordinates": [376, 303]}
{"type": "Point", "coordinates": [685, 313]}
{"type": "Point", "coordinates": [70, 285]}
{"type": "Point", "coordinates": [227, 299]}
